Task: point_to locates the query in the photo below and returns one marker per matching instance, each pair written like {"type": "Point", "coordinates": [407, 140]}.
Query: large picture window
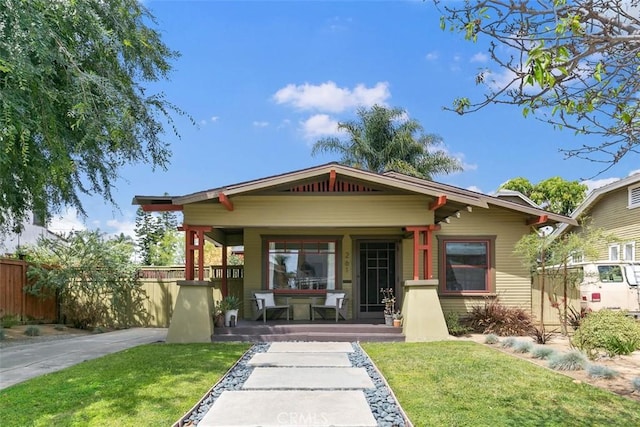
{"type": "Point", "coordinates": [301, 264]}
{"type": "Point", "coordinates": [466, 265]}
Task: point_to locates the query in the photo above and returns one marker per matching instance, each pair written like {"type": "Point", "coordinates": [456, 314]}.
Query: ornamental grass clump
{"type": "Point", "coordinates": [600, 371]}
{"type": "Point", "coordinates": [495, 318]}
{"type": "Point", "coordinates": [32, 331]}
{"type": "Point", "coordinates": [522, 346]}
{"type": "Point", "coordinates": [508, 342]}
{"type": "Point", "coordinates": [635, 383]}
{"type": "Point", "coordinates": [491, 339]}
{"type": "Point", "coordinates": [607, 331]}
{"type": "Point", "coordinates": [541, 352]}
{"type": "Point", "coordinates": [571, 361]}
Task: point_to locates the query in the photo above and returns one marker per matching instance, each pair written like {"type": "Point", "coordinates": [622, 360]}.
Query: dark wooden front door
{"type": "Point", "coordinates": [376, 269]}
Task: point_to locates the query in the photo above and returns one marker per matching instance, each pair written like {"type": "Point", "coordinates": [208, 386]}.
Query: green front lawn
{"type": "Point", "coordinates": [468, 384]}
{"type": "Point", "coordinates": [150, 385]}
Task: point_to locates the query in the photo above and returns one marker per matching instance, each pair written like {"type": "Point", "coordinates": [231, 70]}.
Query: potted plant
{"type": "Point", "coordinates": [218, 314]}
{"type": "Point", "coordinates": [389, 302]}
{"type": "Point", "coordinates": [230, 306]}
{"type": "Point", "coordinates": [397, 319]}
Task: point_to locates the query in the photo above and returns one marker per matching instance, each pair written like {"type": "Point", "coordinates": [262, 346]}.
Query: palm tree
{"type": "Point", "coordinates": [385, 139]}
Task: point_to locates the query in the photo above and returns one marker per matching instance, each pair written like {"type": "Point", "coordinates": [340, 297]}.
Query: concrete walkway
{"type": "Point", "coordinates": [21, 362]}
{"type": "Point", "coordinates": [297, 384]}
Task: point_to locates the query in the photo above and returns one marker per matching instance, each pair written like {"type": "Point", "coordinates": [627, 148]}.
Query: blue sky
{"type": "Point", "coordinates": [266, 79]}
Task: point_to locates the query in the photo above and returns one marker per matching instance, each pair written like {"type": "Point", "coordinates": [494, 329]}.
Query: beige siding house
{"type": "Point", "coordinates": [333, 227]}
{"type": "Point", "coordinates": [616, 209]}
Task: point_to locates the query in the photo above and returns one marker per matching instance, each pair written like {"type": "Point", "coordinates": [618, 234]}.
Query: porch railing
{"type": "Point", "coordinates": [174, 272]}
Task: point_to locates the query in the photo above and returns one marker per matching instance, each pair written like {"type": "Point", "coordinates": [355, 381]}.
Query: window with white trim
{"type": "Point", "coordinates": [576, 257]}
{"type": "Point", "coordinates": [634, 197]}
{"type": "Point", "coordinates": [295, 264]}
{"type": "Point", "coordinates": [614, 252]}
{"type": "Point", "coordinates": [629, 251]}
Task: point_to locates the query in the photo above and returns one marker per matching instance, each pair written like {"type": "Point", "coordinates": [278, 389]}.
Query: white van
{"type": "Point", "coordinates": [611, 285]}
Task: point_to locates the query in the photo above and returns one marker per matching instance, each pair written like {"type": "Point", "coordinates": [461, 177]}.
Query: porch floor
{"type": "Point", "coordinates": [319, 330]}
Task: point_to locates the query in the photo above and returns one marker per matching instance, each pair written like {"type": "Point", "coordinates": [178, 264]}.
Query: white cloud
{"type": "Point", "coordinates": [479, 57]}
{"type": "Point", "coordinates": [474, 188]}
{"type": "Point", "coordinates": [329, 97]}
{"type": "Point", "coordinates": [67, 222]}
{"type": "Point", "coordinates": [593, 184]}
{"type": "Point", "coordinates": [203, 122]}
{"type": "Point", "coordinates": [214, 118]}
{"type": "Point", "coordinates": [260, 124]}
{"type": "Point", "coordinates": [432, 56]}
{"type": "Point", "coordinates": [126, 227]}
{"type": "Point", "coordinates": [320, 125]}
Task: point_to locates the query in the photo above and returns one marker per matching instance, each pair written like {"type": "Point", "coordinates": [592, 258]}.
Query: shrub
{"type": "Point", "coordinates": [635, 383]}
{"type": "Point", "coordinates": [508, 343]}
{"type": "Point", "coordinates": [542, 352]}
{"type": "Point", "coordinates": [495, 318]}
{"type": "Point", "coordinates": [32, 331]}
{"type": "Point", "coordinates": [599, 371]}
{"type": "Point", "coordinates": [609, 331]}
{"type": "Point", "coordinates": [9, 321]}
{"type": "Point", "coordinates": [98, 330]}
{"type": "Point", "coordinates": [541, 335]}
{"type": "Point", "coordinates": [574, 317]}
{"type": "Point", "coordinates": [491, 339]}
{"type": "Point", "coordinates": [522, 347]}
{"type": "Point", "coordinates": [571, 361]}
{"type": "Point", "coordinates": [455, 327]}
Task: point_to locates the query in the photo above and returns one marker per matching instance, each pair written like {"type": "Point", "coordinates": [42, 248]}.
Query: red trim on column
{"type": "Point", "coordinates": [539, 220]}
{"type": "Point", "coordinates": [225, 201]}
{"type": "Point", "coordinates": [422, 242]}
{"type": "Point", "coordinates": [190, 246]}
{"type": "Point", "coordinates": [332, 179]}
{"type": "Point", "coordinates": [439, 202]}
{"type": "Point", "coordinates": [161, 208]}
{"type": "Point", "coordinates": [225, 290]}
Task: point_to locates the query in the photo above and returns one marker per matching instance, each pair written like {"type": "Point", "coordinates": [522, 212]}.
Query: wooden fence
{"type": "Point", "coordinates": [14, 301]}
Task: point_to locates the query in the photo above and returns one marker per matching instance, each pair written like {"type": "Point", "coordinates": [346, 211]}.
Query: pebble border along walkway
{"type": "Point", "coordinates": [300, 384]}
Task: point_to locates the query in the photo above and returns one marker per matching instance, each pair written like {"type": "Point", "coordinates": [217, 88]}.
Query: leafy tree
{"type": "Point", "coordinates": [554, 194]}
{"type": "Point", "coordinates": [550, 257]}
{"type": "Point", "coordinates": [94, 277]}
{"type": "Point", "coordinates": [572, 63]}
{"type": "Point", "coordinates": [159, 242]}
{"type": "Point", "coordinates": [74, 105]}
{"type": "Point", "coordinates": [385, 139]}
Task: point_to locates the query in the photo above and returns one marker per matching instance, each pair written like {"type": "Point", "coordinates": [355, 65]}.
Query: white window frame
{"type": "Point", "coordinates": [576, 257]}
{"type": "Point", "coordinates": [634, 197]}
{"type": "Point", "coordinates": [625, 246]}
{"type": "Point", "coordinates": [614, 252]}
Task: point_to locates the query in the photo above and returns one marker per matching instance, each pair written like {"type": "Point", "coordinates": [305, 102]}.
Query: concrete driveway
{"type": "Point", "coordinates": [21, 362]}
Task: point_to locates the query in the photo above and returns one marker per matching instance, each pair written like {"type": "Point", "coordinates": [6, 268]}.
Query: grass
{"type": "Point", "coordinates": [150, 385]}
{"type": "Point", "coordinates": [468, 384]}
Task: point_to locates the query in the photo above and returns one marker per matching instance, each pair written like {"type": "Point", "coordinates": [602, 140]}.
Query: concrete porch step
{"type": "Point", "coordinates": [309, 336]}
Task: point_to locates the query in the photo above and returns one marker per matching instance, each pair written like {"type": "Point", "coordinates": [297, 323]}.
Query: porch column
{"type": "Point", "coordinates": [423, 317]}
{"type": "Point", "coordinates": [225, 289]}
{"type": "Point", "coordinates": [192, 318]}
{"type": "Point", "coordinates": [191, 234]}
{"type": "Point", "coordinates": [422, 243]}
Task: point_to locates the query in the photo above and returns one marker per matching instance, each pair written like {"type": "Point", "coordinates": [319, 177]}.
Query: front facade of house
{"type": "Point", "coordinates": [335, 227]}
{"type": "Point", "coordinates": [614, 208]}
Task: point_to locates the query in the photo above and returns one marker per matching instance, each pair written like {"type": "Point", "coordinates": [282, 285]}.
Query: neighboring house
{"type": "Point", "coordinates": [32, 230]}
{"type": "Point", "coordinates": [336, 227]}
{"type": "Point", "coordinates": [516, 197]}
{"type": "Point", "coordinates": [616, 209]}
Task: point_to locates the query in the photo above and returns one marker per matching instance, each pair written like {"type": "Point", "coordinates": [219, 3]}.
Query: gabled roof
{"type": "Point", "coordinates": [595, 196]}
{"type": "Point", "coordinates": [598, 193]}
{"type": "Point", "coordinates": [334, 177]}
{"type": "Point", "coordinates": [516, 197]}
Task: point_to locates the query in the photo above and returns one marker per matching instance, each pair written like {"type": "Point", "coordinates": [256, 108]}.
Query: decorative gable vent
{"type": "Point", "coordinates": [325, 187]}
{"type": "Point", "coordinates": [634, 197]}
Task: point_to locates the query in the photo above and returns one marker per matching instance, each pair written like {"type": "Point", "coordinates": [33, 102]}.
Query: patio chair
{"type": "Point", "coordinates": [333, 301]}
{"type": "Point", "coordinates": [264, 302]}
